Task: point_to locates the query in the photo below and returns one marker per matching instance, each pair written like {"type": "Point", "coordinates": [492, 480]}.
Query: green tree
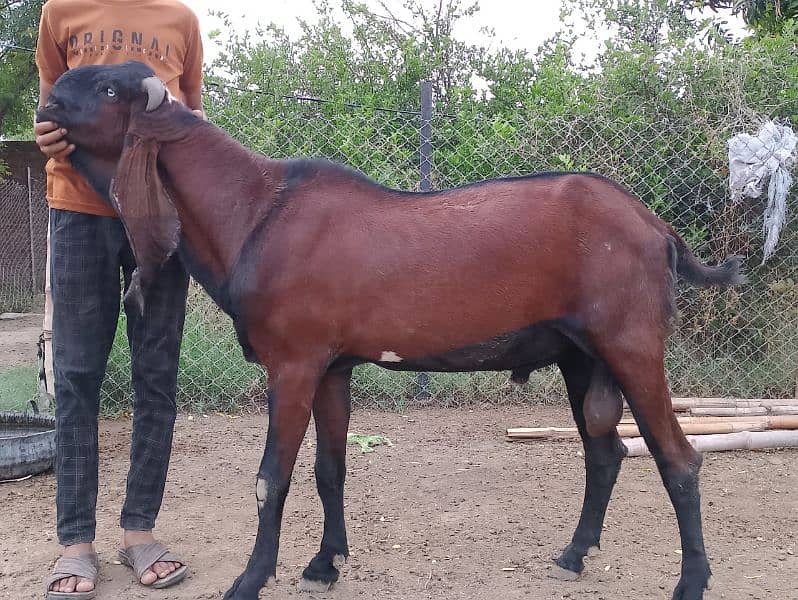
{"type": "Point", "coordinates": [765, 17]}
{"type": "Point", "coordinates": [381, 63]}
{"type": "Point", "coordinates": [19, 22]}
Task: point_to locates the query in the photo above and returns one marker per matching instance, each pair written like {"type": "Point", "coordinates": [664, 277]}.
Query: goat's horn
{"type": "Point", "coordinates": [156, 92]}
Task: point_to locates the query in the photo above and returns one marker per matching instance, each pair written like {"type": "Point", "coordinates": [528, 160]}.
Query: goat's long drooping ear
{"type": "Point", "coordinates": [156, 92]}
{"type": "Point", "coordinates": [147, 212]}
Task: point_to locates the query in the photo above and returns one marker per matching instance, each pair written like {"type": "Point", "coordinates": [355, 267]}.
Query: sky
{"type": "Point", "coordinates": [516, 24]}
{"type": "Point", "coordinates": [519, 24]}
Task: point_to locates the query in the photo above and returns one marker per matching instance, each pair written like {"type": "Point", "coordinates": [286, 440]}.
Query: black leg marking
{"type": "Point", "coordinates": [684, 494]}
{"type": "Point", "coordinates": [331, 409]}
{"type": "Point", "coordinates": [289, 414]}
{"type": "Point", "coordinates": [640, 373]}
{"type": "Point", "coordinates": [603, 456]}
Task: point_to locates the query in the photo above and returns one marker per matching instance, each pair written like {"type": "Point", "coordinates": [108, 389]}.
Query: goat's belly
{"type": "Point", "coordinates": [523, 350]}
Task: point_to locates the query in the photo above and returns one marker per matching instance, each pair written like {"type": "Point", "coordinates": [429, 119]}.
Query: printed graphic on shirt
{"type": "Point", "coordinates": [133, 43]}
{"type": "Point", "coordinates": [163, 34]}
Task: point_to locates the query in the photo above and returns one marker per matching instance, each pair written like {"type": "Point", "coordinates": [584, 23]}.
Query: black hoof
{"type": "Point", "coordinates": [571, 561]}
{"type": "Point", "coordinates": [692, 587]}
{"type": "Point", "coordinates": [314, 587]}
{"type": "Point", "coordinates": [322, 572]}
{"type": "Point", "coordinates": [242, 590]}
{"type": "Point", "coordinates": [563, 574]}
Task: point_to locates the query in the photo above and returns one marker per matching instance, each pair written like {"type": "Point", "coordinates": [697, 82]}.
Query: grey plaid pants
{"type": "Point", "coordinates": [86, 254]}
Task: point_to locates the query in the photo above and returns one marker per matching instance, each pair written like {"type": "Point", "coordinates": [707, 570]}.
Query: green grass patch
{"type": "Point", "coordinates": [739, 342]}
{"type": "Point", "coordinates": [375, 387]}
{"type": "Point", "coordinates": [15, 299]}
{"type": "Point", "coordinates": [367, 442]}
{"type": "Point", "coordinates": [17, 387]}
{"type": "Point", "coordinates": [212, 376]}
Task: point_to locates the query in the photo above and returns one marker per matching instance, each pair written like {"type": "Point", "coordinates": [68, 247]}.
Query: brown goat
{"type": "Point", "coordinates": [321, 269]}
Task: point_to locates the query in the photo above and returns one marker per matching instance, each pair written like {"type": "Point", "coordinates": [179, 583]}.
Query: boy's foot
{"type": "Point", "coordinates": [139, 549]}
{"type": "Point", "coordinates": [74, 574]}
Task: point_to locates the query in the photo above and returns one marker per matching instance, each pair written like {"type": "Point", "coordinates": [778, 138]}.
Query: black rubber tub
{"type": "Point", "coordinates": [27, 445]}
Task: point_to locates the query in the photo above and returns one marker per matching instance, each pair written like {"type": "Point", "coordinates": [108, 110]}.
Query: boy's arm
{"type": "Point", "coordinates": [44, 92]}
{"type": "Point", "coordinates": [49, 136]}
{"type": "Point", "coordinates": [194, 102]}
{"type": "Point", "coordinates": [51, 62]}
{"type": "Point", "coordinates": [191, 79]}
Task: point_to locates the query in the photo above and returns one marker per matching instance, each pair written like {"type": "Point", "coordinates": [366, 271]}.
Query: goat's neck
{"type": "Point", "coordinates": [221, 191]}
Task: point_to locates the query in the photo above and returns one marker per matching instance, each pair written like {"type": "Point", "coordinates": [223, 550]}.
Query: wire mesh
{"type": "Point", "coordinates": [23, 234]}
{"type": "Point", "coordinates": [741, 342]}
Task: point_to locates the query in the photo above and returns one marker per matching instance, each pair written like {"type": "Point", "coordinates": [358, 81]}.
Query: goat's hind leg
{"type": "Point", "coordinates": [640, 372]}
{"type": "Point", "coordinates": [331, 409]}
{"type": "Point", "coordinates": [586, 378]}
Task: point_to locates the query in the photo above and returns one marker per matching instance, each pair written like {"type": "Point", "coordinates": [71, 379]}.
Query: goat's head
{"type": "Point", "coordinates": [95, 103]}
{"type": "Point", "coordinates": [119, 115]}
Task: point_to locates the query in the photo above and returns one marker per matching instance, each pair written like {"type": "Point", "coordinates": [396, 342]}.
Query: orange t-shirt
{"type": "Point", "coordinates": [164, 34]}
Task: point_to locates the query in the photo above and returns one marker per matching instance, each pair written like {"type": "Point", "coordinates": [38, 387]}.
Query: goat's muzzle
{"type": "Point", "coordinates": [46, 113]}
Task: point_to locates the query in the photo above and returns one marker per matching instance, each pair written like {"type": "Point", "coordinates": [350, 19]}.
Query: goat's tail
{"type": "Point", "coordinates": [694, 271]}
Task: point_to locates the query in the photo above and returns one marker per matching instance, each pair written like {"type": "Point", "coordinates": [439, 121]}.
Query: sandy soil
{"type": "Point", "coordinates": [18, 339]}
{"type": "Point", "coordinates": [440, 515]}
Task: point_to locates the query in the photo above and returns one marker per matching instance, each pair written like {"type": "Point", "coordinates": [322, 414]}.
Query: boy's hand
{"type": "Point", "coordinates": [51, 141]}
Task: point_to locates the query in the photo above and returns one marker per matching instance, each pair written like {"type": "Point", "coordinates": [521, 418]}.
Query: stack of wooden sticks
{"type": "Point", "coordinates": [711, 425]}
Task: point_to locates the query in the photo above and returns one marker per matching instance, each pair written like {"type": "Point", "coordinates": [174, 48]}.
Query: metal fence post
{"type": "Point", "coordinates": [425, 164]}
{"type": "Point", "coordinates": [30, 233]}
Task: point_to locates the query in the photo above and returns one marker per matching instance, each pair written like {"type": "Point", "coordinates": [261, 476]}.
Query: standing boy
{"type": "Point", "coordinates": [87, 249]}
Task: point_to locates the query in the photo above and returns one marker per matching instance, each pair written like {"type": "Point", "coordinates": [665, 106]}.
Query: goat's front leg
{"type": "Point", "coordinates": [290, 399]}
{"type": "Point", "coordinates": [331, 409]}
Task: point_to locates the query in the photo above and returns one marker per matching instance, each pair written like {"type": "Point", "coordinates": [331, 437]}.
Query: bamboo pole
{"type": "Point", "coordinates": [702, 428]}
{"type": "Point", "coordinates": [683, 404]}
{"type": "Point", "coordinates": [539, 433]}
{"type": "Point", "coordinates": [727, 411]}
{"type": "Point", "coordinates": [768, 419]}
{"type": "Point", "coordinates": [626, 430]}
{"type": "Point", "coordinates": [691, 427]}
{"type": "Point", "coordinates": [717, 411]}
{"type": "Point", "coordinates": [745, 440]}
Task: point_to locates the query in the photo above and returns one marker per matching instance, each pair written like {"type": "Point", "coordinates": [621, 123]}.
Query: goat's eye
{"type": "Point", "coordinates": [110, 92]}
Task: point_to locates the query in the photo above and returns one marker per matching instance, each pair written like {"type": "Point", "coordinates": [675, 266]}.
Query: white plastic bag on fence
{"type": "Point", "coordinates": [764, 157]}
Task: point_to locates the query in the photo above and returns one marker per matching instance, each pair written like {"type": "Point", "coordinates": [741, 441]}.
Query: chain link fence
{"type": "Point", "coordinates": [23, 230]}
{"type": "Point", "coordinates": [741, 342]}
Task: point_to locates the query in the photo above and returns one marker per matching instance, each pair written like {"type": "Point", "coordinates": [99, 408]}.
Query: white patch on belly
{"type": "Point", "coordinates": [390, 356]}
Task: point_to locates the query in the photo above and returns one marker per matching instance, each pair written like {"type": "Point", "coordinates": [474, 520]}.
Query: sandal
{"type": "Point", "coordinates": [142, 556]}
{"type": "Point", "coordinates": [86, 566]}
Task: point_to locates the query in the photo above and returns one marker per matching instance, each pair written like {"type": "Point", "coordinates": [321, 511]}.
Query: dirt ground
{"type": "Point", "coordinates": [451, 511]}
{"type": "Point", "coordinates": [18, 339]}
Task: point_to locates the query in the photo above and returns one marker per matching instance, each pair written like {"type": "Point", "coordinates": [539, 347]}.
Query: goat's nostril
{"type": "Point", "coordinates": [45, 112]}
